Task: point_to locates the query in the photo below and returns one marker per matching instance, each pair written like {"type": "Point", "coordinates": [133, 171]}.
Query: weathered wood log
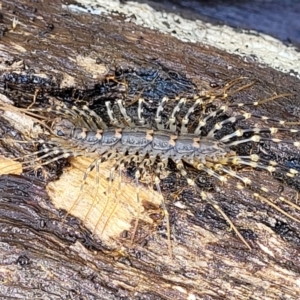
{"type": "Point", "coordinates": [78, 57]}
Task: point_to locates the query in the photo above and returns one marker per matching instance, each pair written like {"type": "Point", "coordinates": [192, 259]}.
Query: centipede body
{"type": "Point", "coordinates": [188, 141]}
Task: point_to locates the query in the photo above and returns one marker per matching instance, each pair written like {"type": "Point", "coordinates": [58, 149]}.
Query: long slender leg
{"type": "Point", "coordinates": [205, 196]}
{"type": "Point", "coordinates": [96, 162]}
{"type": "Point", "coordinates": [89, 118]}
{"type": "Point", "coordinates": [203, 121]}
{"type": "Point", "coordinates": [256, 131]}
{"type": "Point", "coordinates": [160, 167]}
{"type": "Point", "coordinates": [257, 138]}
{"type": "Point", "coordinates": [123, 111]}
{"type": "Point", "coordinates": [160, 108]}
{"type": "Point", "coordinates": [98, 120]}
{"type": "Point", "coordinates": [243, 116]}
{"type": "Point", "coordinates": [114, 121]}
{"type": "Point", "coordinates": [254, 162]}
{"type": "Point", "coordinates": [185, 119]}
{"type": "Point", "coordinates": [248, 182]}
{"type": "Point", "coordinates": [141, 119]}
{"type": "Point", "coordinates": [120, 164]}
{"type": "Point", "coordinates": [142, 164]}
{"type": "Point", "coordinates": [172, 118]}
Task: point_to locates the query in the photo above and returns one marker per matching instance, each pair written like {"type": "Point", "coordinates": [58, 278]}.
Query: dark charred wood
{"type": "Point", "coordinates": [80, 58]}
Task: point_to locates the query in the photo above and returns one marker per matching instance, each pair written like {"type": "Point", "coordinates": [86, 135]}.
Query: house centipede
{"type": "Point", "coordinates": [149, 147]}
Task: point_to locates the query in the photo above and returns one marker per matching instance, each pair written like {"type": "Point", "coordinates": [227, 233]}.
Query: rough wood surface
{"type": "Point", "coordinates": [42, 257]}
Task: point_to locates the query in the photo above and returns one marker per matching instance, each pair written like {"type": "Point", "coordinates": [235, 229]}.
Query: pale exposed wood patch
{"type": "Point", "coordinates": [9, 166]}
{"type": "Point", "coordinates": [121, 210]}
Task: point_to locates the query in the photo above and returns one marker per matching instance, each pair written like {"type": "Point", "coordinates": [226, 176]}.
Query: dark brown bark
{"type": "Point", "coordinates": [93, 58]}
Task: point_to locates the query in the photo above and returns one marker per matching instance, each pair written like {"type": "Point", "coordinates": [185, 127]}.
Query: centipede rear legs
{"type": "Point", "coordinates": [205, 196]}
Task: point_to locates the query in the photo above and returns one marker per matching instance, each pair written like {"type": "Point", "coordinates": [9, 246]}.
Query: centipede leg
{"type": "Point", "coordinates": [160, 167]}
{"type": "Point", "coordinates": [79, 197]}
{"type": "Point", "coordinates": [205, 196]}
{"type": "Point", "coordinates": [227, 219]}
{"type": "Point", "coordinates": [116, 202]}
{"type": "Point", "coordinates": [94, 164]}
{"type": "Point", "coordinates": [166, 215]}
{"type": "Point", "coordinates": [142, 163]}
{"type": "Point", "coordinates": [119, 164]}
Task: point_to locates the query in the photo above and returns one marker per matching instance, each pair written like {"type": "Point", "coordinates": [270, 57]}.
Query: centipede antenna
{"type": "Point", "coordinates": [57, 151]}
{"type": "Point", "coordinates": [34, 98]}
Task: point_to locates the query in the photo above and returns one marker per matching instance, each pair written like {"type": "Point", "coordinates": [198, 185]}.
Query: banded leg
{"type": "Point", "coordinates": [203, 121]}
{"type": "Point", "coordinates": [93, 121]}
{"type": "Point", "coordinates": [119, 164]}
{"type": "Point", "coordinates": [113, 120]}
{"type": "Point", "coordinates": [240, 132]}
{"type": "Point", "coordinates": [209, 171]}
{"type": "Point", "coordinates": [57, 151]}
{"type": "Point", "coordinates": [248, 182]}
{"type": "Point", "coordinates": [142, 164]}
{"type": "Point", "coordinates": [162, 165]}
{"type": "Point", "coordinates": [160, 108]}
{"type": "Point", "coordinates": [257, 138]}
{"type": "Point", "coordinates": [98, 120]}
{"type": "Point", "coordinates": [124, 114]}
{"type": "Point", "coordinates": [185, 119]}
{"type": "Point", "coordinates": [255, 161]}
{"type": "Point", "coordinates": [172, 118]}
{"type": "Point", "coordinates": [141, 119]}
{"type": "Point", "coordinates": [96, 162]}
